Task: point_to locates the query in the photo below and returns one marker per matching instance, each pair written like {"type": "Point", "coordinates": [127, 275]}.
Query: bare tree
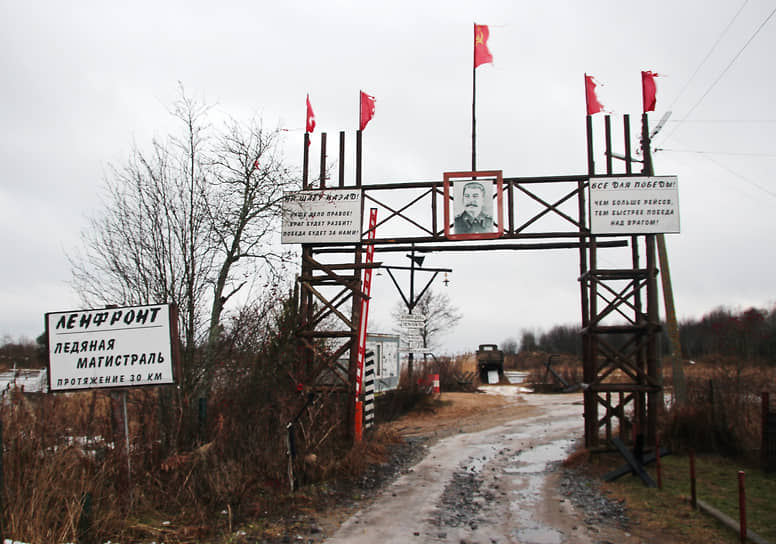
{"type": "Point", "coordinates": [528, 340]}
{"type": "Point", "coordinates": [191, 221]}
{"type": "Point", "coordinates": [438, 314]}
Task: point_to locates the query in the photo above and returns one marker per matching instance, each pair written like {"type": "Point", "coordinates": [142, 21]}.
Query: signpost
{"type": "Point", "coordinates": [328, 216]}
{"type": "Point", "coordinates": [116, 349]}
{"type": "Point", "coordinates": [412, 334]}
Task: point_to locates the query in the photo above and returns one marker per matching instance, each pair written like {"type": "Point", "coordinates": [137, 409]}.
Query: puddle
{"type": "Point", "coordinates": [481, 456]}
{"type": "Point", "coordinates": [505, 390]}
{"type": "Point", "coordinates": [539, 535]}
{"type": "Point", "coordinates": [537, 459]}
{"type": "Point", "coordinates": [529, 494]}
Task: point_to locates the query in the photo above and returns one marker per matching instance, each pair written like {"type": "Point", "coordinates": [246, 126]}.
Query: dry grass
{"type": "Point", "coordinates": [450, 371]}
{"type": "Point", "coordinates": [568, 367]}
{"type": "Point", "coordinates": [723, 414]}
{"type": "Point", "coordinates": [668, 511]}
{"type": "Point", "coordinates": [372, 451]}
{"type": "Point", "coordinates": [51, 469]}
{"type": "Point", "coordinates": [65, 478]}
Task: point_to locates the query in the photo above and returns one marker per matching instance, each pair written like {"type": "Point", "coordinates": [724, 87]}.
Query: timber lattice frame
{"type": "Point", "coordinates": [620, 324]}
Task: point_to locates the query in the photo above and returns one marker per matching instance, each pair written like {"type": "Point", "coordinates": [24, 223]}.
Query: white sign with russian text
{"type": "Point", "coordinates": [634, 205]}
{"type": "Point", "coordinates": [117, 347]}
{"type": "Point", "coordinates": [322, 216]}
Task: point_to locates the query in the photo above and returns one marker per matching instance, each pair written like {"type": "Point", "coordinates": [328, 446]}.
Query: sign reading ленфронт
{"type": "Point", "coordinates": [117, 347]}
{"type": "Point", "coordinates": [322, 216]}
{"type": "Point", "coordinates": [634, 205]}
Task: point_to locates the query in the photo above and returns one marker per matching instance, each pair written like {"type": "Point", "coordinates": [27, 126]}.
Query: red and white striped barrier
{"type": "Point", "coordinates": [430, 383]}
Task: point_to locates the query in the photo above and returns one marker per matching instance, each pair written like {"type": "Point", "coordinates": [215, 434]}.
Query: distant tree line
{"type": "Point", "coordinates": [559, 339]}
{"type": "Point", "coordinates": [22, 353]}
{"type": "Point", "coordinates": [749, 334]}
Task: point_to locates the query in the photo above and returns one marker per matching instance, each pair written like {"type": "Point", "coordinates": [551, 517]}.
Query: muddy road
{"type": "Point", "coordinates": [500, 484]}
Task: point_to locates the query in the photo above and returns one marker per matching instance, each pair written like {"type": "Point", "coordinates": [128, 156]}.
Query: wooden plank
{"type": "Point", "coordinates": [634, 464]}
{"type": "Point", "coordinates": [626, 469]}
{"type": "Point", "coordinates": [729, 522]}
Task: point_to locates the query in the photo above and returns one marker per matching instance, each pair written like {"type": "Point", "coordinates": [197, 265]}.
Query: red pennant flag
{"type": "Point", "coordinates": [649, 90]}
{"type": "Point", "coordinates": [310, 124]}
{"type": "Point", "coordinates": [593, 105]}
{"type": "Point", "coordinates": [366, 109]}
{"type": "Point", "coordinates": [481, 52]}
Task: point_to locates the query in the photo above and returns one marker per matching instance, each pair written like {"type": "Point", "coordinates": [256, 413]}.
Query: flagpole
{"type": "Point", "coordinates": [474, 101]}
{"type": "Point", "coordinates": [587, 98]}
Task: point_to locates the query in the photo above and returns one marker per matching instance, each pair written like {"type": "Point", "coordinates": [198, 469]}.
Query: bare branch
{"type": "Point", "coordinates": [188, 221]}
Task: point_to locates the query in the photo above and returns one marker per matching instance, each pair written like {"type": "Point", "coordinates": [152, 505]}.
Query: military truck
{"type": "Point", "coordinates": [489, 357]}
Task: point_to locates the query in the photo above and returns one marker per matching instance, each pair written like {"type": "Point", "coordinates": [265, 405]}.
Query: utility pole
{"type": "Point", "coordinates": [680, 385]}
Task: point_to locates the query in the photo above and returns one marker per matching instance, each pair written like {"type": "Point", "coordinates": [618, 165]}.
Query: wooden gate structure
{"type": "Point", "coordinates": [619, 310]}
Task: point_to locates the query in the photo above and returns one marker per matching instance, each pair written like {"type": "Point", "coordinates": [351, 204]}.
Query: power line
{"type": "Point", "coordinates": [739, 176]}
{"type": "Point", "coordinates": [726, 69]}
{"type": "Point", "coordinates": [715, 152]}
{"type": "Point", "coordinates": [723, 121]}
{"type": "Point", "coordinates": [713, 47]}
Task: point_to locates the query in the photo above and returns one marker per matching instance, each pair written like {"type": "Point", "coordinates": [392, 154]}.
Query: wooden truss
{"type": "Point", "coordinates": [620, 323]}
{"type": "Point", "coordinates": [620, 329]}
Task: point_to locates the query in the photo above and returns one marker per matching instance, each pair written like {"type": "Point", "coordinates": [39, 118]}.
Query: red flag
{"type": "Point", "coordinates": [366, 109]}
{"type": "Point", "coordinates": [593, 105]}
{"type": "Point", "coordinates": [649, 90]}
{"type": "Point", "coordinates": [481, 52]}
{"type": "Point", "coordinates": [310, 124]}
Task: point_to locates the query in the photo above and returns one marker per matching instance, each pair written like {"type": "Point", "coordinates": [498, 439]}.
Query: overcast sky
{"type": "Point", "coordinates": [85, 80]}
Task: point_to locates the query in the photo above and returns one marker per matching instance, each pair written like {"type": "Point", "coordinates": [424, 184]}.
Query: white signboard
{"type": "Point", "coordinates": [634, 205]}
{"type": "Point", "coordinates": [412, 322]}
{"type": "Point", "coordinates": [412, 332]}
{"type": "Point", "coordinates": [412, 339]}
{"type": "Point", "coordinates": [386, 349]}
{"type": "Point", "coordinates": [322, 216]}
{"type": "Point", "coordinates": [117, 347]}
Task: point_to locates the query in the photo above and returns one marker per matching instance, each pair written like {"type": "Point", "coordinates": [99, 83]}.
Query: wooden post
{"type": "Point", "coordinates": [121, 434]}
{"type": "Point", "coordinates": [2, 483]}
{"type": "Point", "coordinates": [342, 159]}
{"type": "Point", "coordinates": [766, 407]}
{"type": "Point", "coordinates": [306, 161]}
{"type": "Point", "coordinates": [693, 494]}
{"type": "Point", "coordinates": [742, 506]}
{"type": "Point", "coordinates": [650, 408]}
{"type": "Point", "coordinates": [608, 142]}
{"type": "Point", "coordinates": [680, 387]}
{"type": "Point", "coordinates": [355, 316]}
{"type": "Point", "coordinates": [322, 175]}
{"type": "Point", "coordinates": [658, 467]}
{"type": "Point", "coordinates": [474, 105]}
{"type": "Point", "coordinates": [587, 294]}
{"type": "Point", "coordinates": [358, 422]}
{"type": "Point", "coordinates": [621, 419]}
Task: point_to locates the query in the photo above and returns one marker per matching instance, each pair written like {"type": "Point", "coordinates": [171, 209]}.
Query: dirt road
{"type": "Point", "coordinates": [488, 485]}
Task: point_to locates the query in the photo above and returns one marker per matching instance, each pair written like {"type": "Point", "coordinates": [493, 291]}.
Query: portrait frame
{"type": "Point", "coordinates": [494, 191]}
